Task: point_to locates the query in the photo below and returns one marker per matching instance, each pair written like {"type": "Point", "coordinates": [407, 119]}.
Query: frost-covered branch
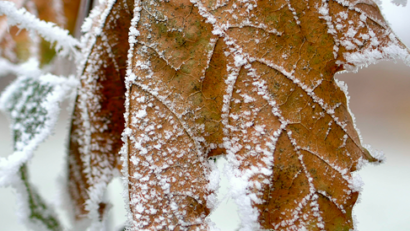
{"type": "Point", "coordinates": [29, 68]}
{"type": "Point", "coordinates": [65, 44]}
{"type": "Point", "coordinates": [3, 23]}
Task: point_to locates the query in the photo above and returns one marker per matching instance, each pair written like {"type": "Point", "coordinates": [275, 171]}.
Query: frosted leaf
{"type": "Point", "coordinates": [18, 44]}
{"type": "Point", "coordinates": [32, 104]}
{"type": "Point", "coordinates": [169, 176]}
{"type": "Point", "coordinates": [253, 80]}
{"type": "Point", "coordinates": [9, 47]}
{"type": "Point", "coordinates": [32, 210]}
{"type": "Point", "coordinates": [65, 44]}
{"type": "Point", "coordinates": [98, 119]}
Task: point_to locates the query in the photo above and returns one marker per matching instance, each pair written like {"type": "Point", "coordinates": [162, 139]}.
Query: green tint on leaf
{"type": "Point", "coordinates": [47, 52]}
{"type": "Point", "coordinates": [39, 210]}
{"type": "Point", "coordinates": [28, 114]}
{"type": "Point", "coordinates": [32, 104]}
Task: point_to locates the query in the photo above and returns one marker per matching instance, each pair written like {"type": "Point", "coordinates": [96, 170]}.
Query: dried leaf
{"type": "Point", "coordinates": [16, 46]}
{"type": "Point", "coordinates": [254, 80]}
{"type": "Point", "coordinates": [61, 12]}
{"type": "Point", "coordinates": [71, 11]}
{"type": "Point", "coordinates": [98, 119]}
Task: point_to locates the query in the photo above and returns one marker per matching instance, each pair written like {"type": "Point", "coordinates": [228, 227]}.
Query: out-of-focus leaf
{"type": "Point", "coordinates": [32, 104]}
{"type": "Point", "coordinates": [98, 119]}
{"type": "Point", "coordinates": [71, 10]}
{"type": "Point", "coordinates": [15, 44]}
{"type": "Point", "coordinates": [36, 212]}
{"type": "Point", "coordinates": [49, 11]}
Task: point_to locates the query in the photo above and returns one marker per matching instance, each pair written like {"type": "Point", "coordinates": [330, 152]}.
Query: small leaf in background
{"type": "Point", "coordinates": [16, 46]}
{"type": "Point", "coordinates": [32, 105]}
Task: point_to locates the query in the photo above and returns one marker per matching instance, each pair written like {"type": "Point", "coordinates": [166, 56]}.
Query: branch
{"type": "Point", "coordinates": [29, 68]}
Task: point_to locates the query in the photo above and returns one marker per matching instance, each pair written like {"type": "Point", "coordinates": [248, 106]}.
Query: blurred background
{"type": "Point", "coordinates": [380, 101]}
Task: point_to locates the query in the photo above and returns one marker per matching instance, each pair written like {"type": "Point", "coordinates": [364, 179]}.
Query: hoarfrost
{"type": "Point", "coordinates": [98, 115]}
{"type": "Point", "coordinates": [129, 79]}
{"type": "Point", "coordinates": [32, 210]}
{"type": "Point", "coordinates": [65, 44]}
{"type": "Point", "coordinates": [352, 49]}
{"type": "Point", "coordinates": [164, 153]}
{"type": "Point", "coordinates": [372, 56]}
{"type": "Point", "coordinates": [29, 68]}
{"type": "Point", "coordinates": [379, 155]}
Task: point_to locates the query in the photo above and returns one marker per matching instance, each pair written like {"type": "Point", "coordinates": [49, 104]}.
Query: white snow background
{"type": "Point", "coordinates": [379, 99]}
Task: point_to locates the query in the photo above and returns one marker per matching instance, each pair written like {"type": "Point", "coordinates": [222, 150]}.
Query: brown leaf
{"type": "Point", "coordinates": [71, 9]}
{"type": "Point", "coordinates": [254, 80]}
{"type": "Point", "coordinates": [98, 119]}
{"type": "Point", "coordinates": [50, 11]}
{"type": "Point", "coordinates": [16, 45]}
{"type": "Point", "coordinates": [168, 166]}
